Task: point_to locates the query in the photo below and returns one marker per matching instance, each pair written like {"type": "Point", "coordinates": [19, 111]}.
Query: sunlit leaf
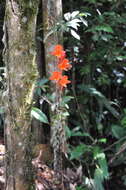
{"type": "Point", "coordinates": [74, 14]}
{"type": "Point", "coordinates": [73, 24]}
{"type": "Point", "coordinates": [67, 16]}
{"type": "Point", "coordinates": [38, 114]}
{"type": "Point", "coordinates": [84, 21]}
{"type": "Point", "coordinates": [75, 35]}
{"type": "Point", "coordinates": [102, 140]}
{"type": "Point", "coordinates": [84, 14]}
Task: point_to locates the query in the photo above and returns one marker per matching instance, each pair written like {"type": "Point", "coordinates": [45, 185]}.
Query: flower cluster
{"type": "Point", "coordinates": [62, 65]}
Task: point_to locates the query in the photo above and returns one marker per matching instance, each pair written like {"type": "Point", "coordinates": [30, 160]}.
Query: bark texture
{"type": "Point", "coordinates": [19, 57]}
{"type": "Point", "coordinates": [37, 126]}
{"type": "Point", "coordinates": [52, 13]}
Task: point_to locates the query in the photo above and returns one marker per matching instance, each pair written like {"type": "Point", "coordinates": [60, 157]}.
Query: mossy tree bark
{"type": "Point", "coordinates": [19, 57]}
{"type": "Point", "coordinates": [52, 13]}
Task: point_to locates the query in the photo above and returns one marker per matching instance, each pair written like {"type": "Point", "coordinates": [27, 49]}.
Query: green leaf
{"type": "Point", "coordinates": [78, 151]}
{"type": "Point", "coordinates": [84, 14]}
{"type": "Point", "coordinates": [118, 131]}
{"type": "Point", "coordinates": [124, 110]}
{"type": "Point", "coordinates": [100, 98]}
{"type": "Point", "coordinates": [110, 108]}
{"type": "Point", "coordinates": [74, 14]}
{"type": "Point", "coordinates": [73, 23]}
{"type": "Point", "coordinates": [102, 140]}
{"type": "Point", "coordinates": [75, 35]}
{"type": "Point", "coordinates": [38, 114]}
{"type": "Point", "coordinates": [67, 16]}
{"type": "Point", "coordinates": [38, 91]}
{"type": "Point", "coordinates": [80, 134]}
{"type": "Point", "coordinates": [65, 114]}
{"type": "Point", "coordinates": [96, 151]}
{"type": "Point", "coordinates": [123, 121]}
{"type": "Point", "coordinates": [68, 132]}
{"type": "Point", "coordinates": [98, 179]}
{"type": "Point", "coordinates": [43, 81]}
{"type": "Point", "coordinates": [105, 28]}
{"type": "Point", "coordinates": [84, 21]}
{"type": "Point", "coordinates": [66, 99]}
{"type": "Point", "coordinates": [103, 165]}
{"type": "Point", "coordinates": [121, 58]}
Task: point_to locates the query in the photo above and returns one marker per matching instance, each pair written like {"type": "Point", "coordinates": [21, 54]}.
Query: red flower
{"type": "Point", "coordinates": [58, 47]}
{"type": "Point", "coordinates": [64, 65]}
{"type": "Point", "coordinates": [56, 75]}
{"type": "Point", "coordinates": [58, 51]}
{"type": "Point", "coordinates": [64, 81]}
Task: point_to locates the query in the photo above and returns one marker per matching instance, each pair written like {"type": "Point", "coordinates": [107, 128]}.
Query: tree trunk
{"type": "Point", "coordinates": [37, 126]}
{"type": "Point", "coordinates": [19, 57]}
{"type": "Point", "coordinates": [52, 13]}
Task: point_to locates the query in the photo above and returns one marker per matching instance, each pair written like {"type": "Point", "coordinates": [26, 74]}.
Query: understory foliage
{"type": "Point", "coordinates": [95, 43]}
{"type": "Point", "coordinates": [96, 128]}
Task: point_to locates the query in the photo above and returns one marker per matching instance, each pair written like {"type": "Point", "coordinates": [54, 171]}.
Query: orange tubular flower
{"type": "Point", "coordinates": [58, 51]}
{"type": "Point", "coordinates": [64, 65]}
{"type": "Point", "coordinates": [64, 81]}
{"type": "Point", "coordinates": [56, 75]}
{"type": "Point", "coordinates": [58, 47]}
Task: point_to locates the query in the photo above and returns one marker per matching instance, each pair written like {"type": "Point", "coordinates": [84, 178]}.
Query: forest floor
{"type": "Point", "coordinates": [72, 178]}
{"type": "Point", "coordinates": [45, 176]}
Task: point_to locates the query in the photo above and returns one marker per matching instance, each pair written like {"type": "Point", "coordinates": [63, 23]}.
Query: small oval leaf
{"type": "Point", "coordinates": [38, 114]}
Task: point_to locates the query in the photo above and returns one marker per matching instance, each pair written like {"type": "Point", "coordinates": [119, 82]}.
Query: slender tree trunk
{"type": "Point", "coordinates": [52, 13]}
{"type": "Point", "coordinates": [19, 57]}
{"type": "Point", "coordinates": [37, 126]}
